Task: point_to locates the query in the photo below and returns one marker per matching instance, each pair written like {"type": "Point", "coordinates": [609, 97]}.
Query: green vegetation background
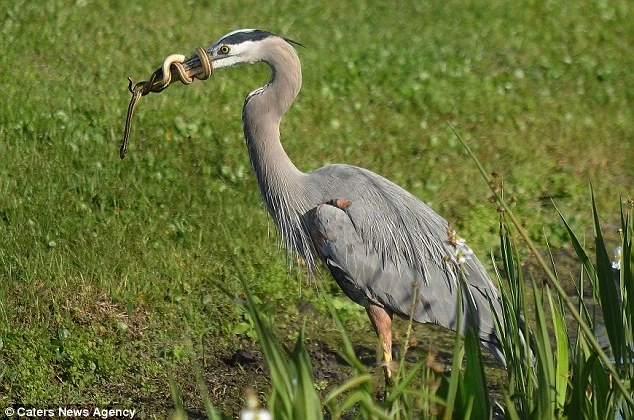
{"type": "Point", "coordinates": [107, 266]}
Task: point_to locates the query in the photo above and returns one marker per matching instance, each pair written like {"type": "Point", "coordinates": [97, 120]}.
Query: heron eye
{"type": "Point", "coordinates": [224, 50]}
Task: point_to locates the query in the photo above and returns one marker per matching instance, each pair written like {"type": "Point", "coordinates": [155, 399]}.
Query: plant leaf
{"type": "Point", "coordinates": [608, 294]}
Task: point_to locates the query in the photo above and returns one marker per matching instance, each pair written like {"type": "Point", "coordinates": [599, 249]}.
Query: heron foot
{"type": "Point", "coordinates": [389, 366]}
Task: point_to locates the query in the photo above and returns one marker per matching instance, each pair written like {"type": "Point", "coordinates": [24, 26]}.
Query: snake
{"type": "Point", "coordinates": [160, 80]}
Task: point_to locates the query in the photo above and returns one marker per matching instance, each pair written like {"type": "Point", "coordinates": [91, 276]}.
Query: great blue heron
{"type": "Point", "coordinates": [387, 250]}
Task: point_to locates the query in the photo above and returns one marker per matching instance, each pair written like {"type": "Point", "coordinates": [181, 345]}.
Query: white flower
{"type": "Point", "coordinates": [257, 414]}
{"type": "Point", "coordinates": [462, 252]}
{"type": "Point", "coordinates": [616, 262]}
{"type": "Point", "coordinates": [253, 410]}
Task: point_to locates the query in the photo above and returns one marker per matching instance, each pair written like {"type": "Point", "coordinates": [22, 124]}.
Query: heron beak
{"type": "Point", "coordinates": [179, 67]}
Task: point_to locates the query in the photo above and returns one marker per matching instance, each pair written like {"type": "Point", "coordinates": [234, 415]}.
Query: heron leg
{"type": "Point", "coordinates": [382, 322]}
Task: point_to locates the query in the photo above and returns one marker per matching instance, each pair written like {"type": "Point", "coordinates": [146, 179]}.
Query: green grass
{"type": "Point", "coordinates": [108, 268]}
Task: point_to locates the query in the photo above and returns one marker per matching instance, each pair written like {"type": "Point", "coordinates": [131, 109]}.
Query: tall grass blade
{"type": "Point", "coordinates": [475, 384]}
{"type": "Point", "coordinates": [512, 329]}
{"type": "Point", "coordinates": [608, 294]}
{"type": "Point", "coordinates": [545, 398]}
{"type": "Point", "coordinates": [579, 404]}
{"type": "Point", "coordinates": [210, 410]}
{"type": "Point", "coordinates": [179, 411]}
{"type": "Point", "coordinates": [283, 377]}
{"type": "Point", "coordinates": [450, 391]}
{"type": "Point", "coordinates": [602, 391]}
{"type": "Point", "coordinates": [348, 349]}
{"type": "Point", "coordinates": [626, 281]}
{"type": "Point", "coordinates": [579, 250]}
{"type": "Point", "coordinates": [306, 402]}
{"type": "Point", "coordinates": [510, 410]}
{"type": "Point", "coordinates": [453, 384]}
{"type": "Point", "coordinates": [281, 382]}
{"type": "Point", "coordinates": [370, 409]}
{"type": "Point", "coordinates": [405, 383]}
{"type": "Point", "coordinates": [360, 387]}
{"type": "Point", "coordinates": [561, 352]}
{"type": "Point", "coordinates": [467, 394]}
{"type": "Point", "coordinates": [349, 385]}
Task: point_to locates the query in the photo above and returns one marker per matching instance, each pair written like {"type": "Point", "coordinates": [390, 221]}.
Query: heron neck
{"type": "Point", "coordinates": [262, 114]}
{"type": "Point", "coordinates": [283, 186]}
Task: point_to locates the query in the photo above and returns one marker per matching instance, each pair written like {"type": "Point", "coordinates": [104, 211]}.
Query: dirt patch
{"type": "Point", "coordinates": [229, 373]}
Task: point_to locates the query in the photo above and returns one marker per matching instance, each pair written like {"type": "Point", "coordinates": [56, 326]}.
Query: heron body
{"type": "Point", "coordinates": [387, 250]}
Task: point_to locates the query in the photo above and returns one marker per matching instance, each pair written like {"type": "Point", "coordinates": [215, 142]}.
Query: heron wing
{"type": "Point", "coordinates": [366, 277]}
{"type": "Point", "coordinates": [399, 227]}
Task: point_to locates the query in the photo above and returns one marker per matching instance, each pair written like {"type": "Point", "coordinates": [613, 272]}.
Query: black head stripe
{"type": "Point", "coordinates": [243, 36]}
{"type": "Point", "coordinates": [251, 35]}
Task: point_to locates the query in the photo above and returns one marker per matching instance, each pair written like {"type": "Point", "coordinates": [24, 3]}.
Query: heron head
{"type": "Point", "coordinates": [244, 46]}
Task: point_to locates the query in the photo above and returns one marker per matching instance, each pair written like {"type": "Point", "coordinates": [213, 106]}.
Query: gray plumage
{"type": "Point", "coordinates": [385, 248]}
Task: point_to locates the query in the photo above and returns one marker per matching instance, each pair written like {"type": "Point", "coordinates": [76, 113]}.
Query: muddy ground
{"type": "Point", "coordinates": [228, 372]}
